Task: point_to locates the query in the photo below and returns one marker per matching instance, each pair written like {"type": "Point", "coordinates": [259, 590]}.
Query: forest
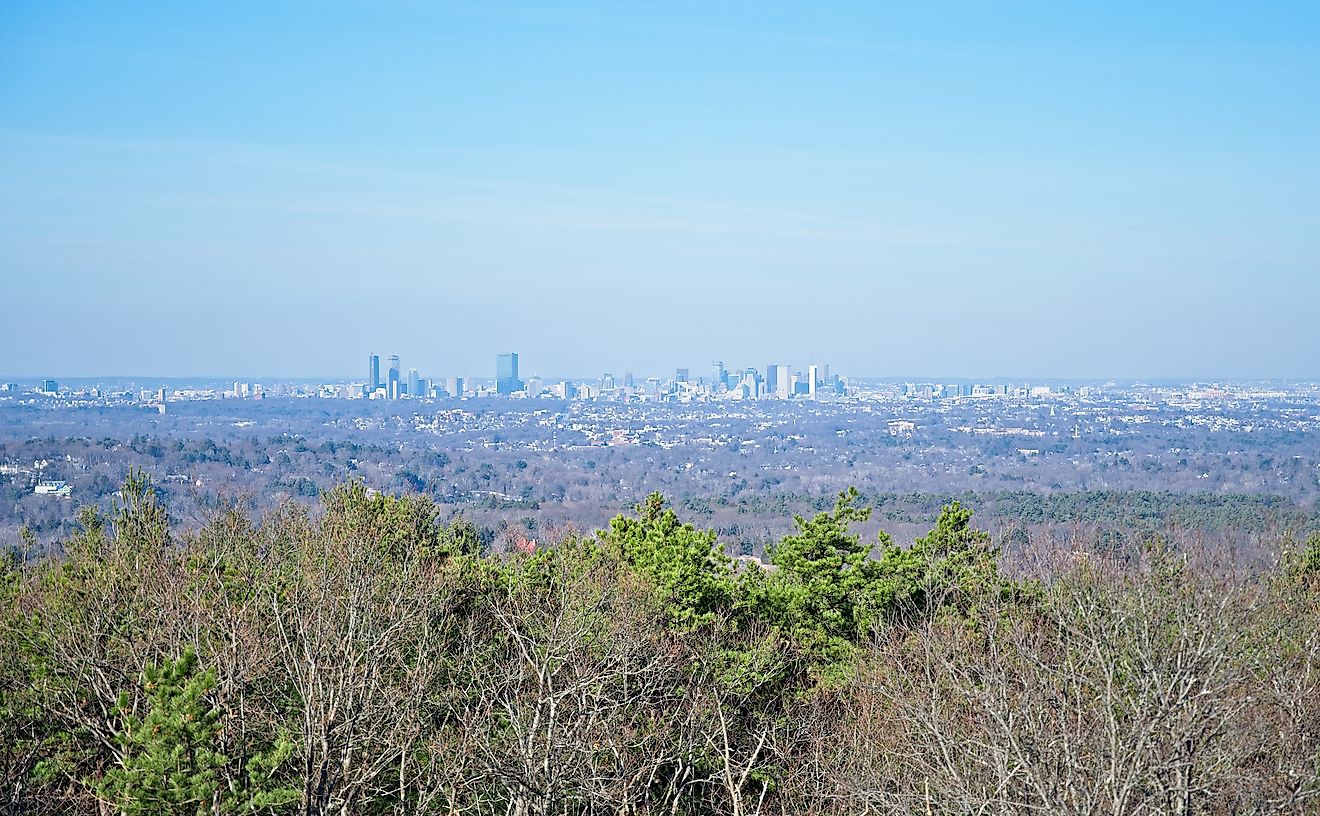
{"type": "Point", "coordinates": [368, 653]}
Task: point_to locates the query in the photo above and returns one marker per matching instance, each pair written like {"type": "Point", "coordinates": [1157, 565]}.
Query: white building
{"type": "Point", "coordinates": [52, 488]}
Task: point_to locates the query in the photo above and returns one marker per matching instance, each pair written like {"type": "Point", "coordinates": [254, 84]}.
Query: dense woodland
{"type": "Point", "coordinates": [533, 470]}
{"type": "Point", "coordinates": [370, 654]}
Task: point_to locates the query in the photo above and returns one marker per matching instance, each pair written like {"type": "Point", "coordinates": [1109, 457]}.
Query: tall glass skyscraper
{"type": "Point", "coordinates": [506, 374]}
{"type": "Point", "coordinates": [373, 373]}
{"type": "Point", "coordinates": [394, 377]}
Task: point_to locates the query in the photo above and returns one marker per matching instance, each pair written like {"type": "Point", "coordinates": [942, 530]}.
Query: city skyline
{"type": "Point", "coordinates": [766, 372]}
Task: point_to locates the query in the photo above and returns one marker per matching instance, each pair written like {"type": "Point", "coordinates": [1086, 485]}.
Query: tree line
{"type": "Point", "coordinates": [369, 655]}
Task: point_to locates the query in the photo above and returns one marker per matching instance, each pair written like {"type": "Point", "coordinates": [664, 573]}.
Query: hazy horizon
{"type": "Point", "coordinates": [1079, 192]}
{"type": "Point", "coordinates": [990, 379]}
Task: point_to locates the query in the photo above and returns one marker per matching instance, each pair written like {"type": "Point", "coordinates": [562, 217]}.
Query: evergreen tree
{"type": "Point", "coordinates": [1306, 564]}
{"type": "Point", "coordinates": [948, 568]}
{"type": "Point", "coordinates": [140, 519]}
{"type": "Point", "coordinates": [826, 590]}
{"type": "Point", "coordinates": [686, 564]}
{"type": "Point", "coordinates": [169, 765]}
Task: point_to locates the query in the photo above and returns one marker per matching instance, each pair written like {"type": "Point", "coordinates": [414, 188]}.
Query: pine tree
{"type": "Point", "coordinates": [686, 564]}
{"type": "Point", "coordinates": [825, 590]}
{"type": "Point", "coordinates": [169, 765]}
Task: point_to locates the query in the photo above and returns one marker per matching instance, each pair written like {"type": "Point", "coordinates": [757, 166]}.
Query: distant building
{"type": "Point", "coordinates": [681, 375]}
{"type": "Point", "coordinates": [778, 381]}
{"type": "Point", "coordinates": [506, 374]}
{"type": "Point", "coordinates": [721, 378]}
{"type": "Point", "coordinates": [393, 389]}
{"type": "Point", "coordinates": [414, 384]}
{"type": "Point", "coordinates": [607, 382]}
{"type": "Point", "coordinates": [57, 489]}
{"type": "Point", "coordinates": [454, 387]}
{"type": "Point", "coordinates": [373, 373]}
{"type": "Point", "coordinates": [813, 380]}
{"type": "Point", "coordinates": [50, 387]}
{"type": "Point", "coordinates": [628, 381]}
{"type": "Point", "coordinates": [755, 384]}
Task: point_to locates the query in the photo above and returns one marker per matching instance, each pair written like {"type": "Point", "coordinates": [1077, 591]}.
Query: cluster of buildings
{"type": "Point", "coordinates": [393, 385]}
{"type": "Point", "coordinates": [953, 390]}
{"type": "Point", "coordinates": [47, 388]}
{"type": "Point", "coordinates": [778, 381]}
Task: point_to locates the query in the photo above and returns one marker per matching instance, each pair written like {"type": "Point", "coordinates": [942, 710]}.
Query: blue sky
{"type": "Point", "coordinates": [1029, 189]}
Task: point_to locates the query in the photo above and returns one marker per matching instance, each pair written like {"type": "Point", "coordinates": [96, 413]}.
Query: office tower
{"type": "Point", "coordinates": [373, 373]}
{"type": "Point", "coordinates": [720, 375]}
{"type": "Point", "coordinates": [506, 374]}
{"type": "Point", "coordinates": [752, 379]}
{"type": "Point", "coordinates": [681, 375]}
{"type": "Point", "coordinates": [393, 390]}
{"type": "Point", "coordinates": [628, 381]}
{"type": "Point", "coordinates": [607, 382]}
{"type": "Point", "coordinates": [813, 379]}
{"type": "Point", "coordinates": [778, 381]}
{"type": "Point", "coordinates": [414, 384]}
{"type": "Point", "coordinates": [50, 387]}
{"type": "Point", "coordinates": [454, 387]}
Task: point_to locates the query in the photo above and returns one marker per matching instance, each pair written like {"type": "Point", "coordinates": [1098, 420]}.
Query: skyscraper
{"type": "Point", "coordinates": [681, 375]}
{"type": "Point", "coordinates": [813, 378]}
{"type": "Point", "coordinates": [373, 373]}
{"type": "Point", "coordinates": [414, 384]}
{"type": "Point", "coordinates": [506, 374]}
{"type": "Point", "coordinates": [753, 380]}
{"type": "Point", "coordinates": [778, 381]}
{"type": "Point", "coordinates": [394, 377]}
{"type": "Point", "coordinates": [720, 380]}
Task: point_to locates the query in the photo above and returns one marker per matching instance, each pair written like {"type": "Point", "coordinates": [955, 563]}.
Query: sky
{"type": "Point", "coordinates": [279, 188]}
